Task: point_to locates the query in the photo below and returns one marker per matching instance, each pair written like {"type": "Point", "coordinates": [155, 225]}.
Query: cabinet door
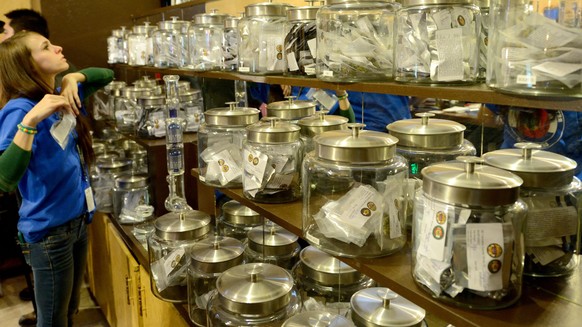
{"type": "Point", "coordinates": [155, 312]}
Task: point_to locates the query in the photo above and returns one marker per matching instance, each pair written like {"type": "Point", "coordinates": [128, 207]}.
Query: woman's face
{"type": "Point", "coordinates": [48, 57]}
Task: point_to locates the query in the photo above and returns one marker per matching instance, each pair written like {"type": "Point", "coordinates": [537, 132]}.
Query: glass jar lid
{"type": "Point", "coordinates": [327, 269]}
{"type": "Point", "coordinates": [255, 288]}
{"type": "Point", "coordinates": [273, 130]}
{"type": "Point", "coordinates": [355, 145]}
{"type": "Point", "coordinates": [189, 95]}
{"type": "Point", "coordinates": [317, 319]}
{"type": "Point", "coordinates": [320, 122]}
{"type": "Point", "coordinates": [272, 240]}
{"type": "Point", "coordinates": [113, 165]}
{"type": "Point", "coordinates": [128, 181]}
{"type": "Point", "coordinates": [427, 133]}
{"type": "Point", "coordinates": [236, 213]}
{"type": "Point", "coordinates": [231, 22]}
{"type": "Point", "coordinates": [302, 13]}
{"type": "Point", "coordinates": [216, 254]}
{"type": "Point", "coordinates": [212, 18]}
{"type": "Point", "coordinates": [151, 100]}
{"type": "Point", "coordinates": [380, 306]}
{"type": "Point", "coordinates": [188, 225]}
{"type": "Point", "coordinates": [467, 182]}
{"type": "Point", "coordinates": [536, 167]}
{"type": "Point", "coordinates": [231, 116]}
{"type": "Point", "coordinates": [291, 109]}
{"type": "Point", "coordinates": [266, 9]}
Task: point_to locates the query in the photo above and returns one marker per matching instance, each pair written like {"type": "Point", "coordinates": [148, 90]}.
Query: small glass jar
{"type": "Point", "coordinates": [168, 248]}
{"type": "Point", "coordinates": [318, 123]}
{"type": "Point", "coordinates": [468, 234]}
{"type": "Point", "coordinates": [169, 44]}
{"type": "Point", "coordinates": [117, 47]}
{"type": "Point", "coordinates": [353, 196]}
{"type": "Point", "coordinates": [144, 230]}
{"type": "Point", "coordinates": [230, 44]}
{"type": "Point", "coordinates": [128, 111]}
{"type": "Point", "coordinates": [550, 190]}
{"type": "Point", "coordinates": [209, 258]}
{"type": "Point", "coordinates": [253, 294]}
{"type": "Point", "coordinates": [152, 123]}
{"type": "Point", "coordinates": [220, 140]}
{"type": "Point", "coordinates": [436, 42]}
{"type": "Point", "coordinates": [104, 183]}
{"type": "Point", "coordinates": [355, 40]}
{"type": "Point", "coordinates": [130, 191]}
{"type": "Point", "coordinates": [381, 307]}
{"type": "Point", "coordinates": [237, 220]}
{"type": "Point", "coordinates": [139, 45]}
{"type": "Point", "coordinates": [192, 105]}
{"type": "Point", "coordinates": [301, 41]}
{"type": "Point", "coordinates": [318, 319]}
{"type": "Point", "coordinates": [326, 283]}
{"type": "Point", "coordinates": [273, 244]}
{"type": "Point", "coordinates": [205, 38]}
{"type": "Point", "coordinates": [272, 157]}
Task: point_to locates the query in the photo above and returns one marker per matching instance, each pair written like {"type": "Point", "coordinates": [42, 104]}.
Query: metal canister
{"type": "Point", "coordinates": [381, 307]}
{"type": "Point", "coordinates": [272, 244]}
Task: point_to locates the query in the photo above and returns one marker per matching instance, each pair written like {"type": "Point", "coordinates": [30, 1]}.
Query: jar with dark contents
{"type": "Point", "coordinates": [300, 42]}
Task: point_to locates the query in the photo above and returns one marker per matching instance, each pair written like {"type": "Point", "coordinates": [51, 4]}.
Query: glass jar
{"type": "Point", "coordinates": [253, 294]}
{"type": "Point", "coordinates": [128, 111]}
{"type": "Point", "coordinates": [273, 244]}
{"type": "Point", "coordinates": [220, 140]}
{"type": "Point", "coordinates": [272, 155]}
{"type": "Point", "coordinates": [301, 41]}
{"type": "Point", "coordinates": [230, 44]}
{"type": "Point", "coordinates": [318, 319]}
{"type": "Point", "coordinates": [205, 38]}
{"type": "Point", "coordinates": [353, 197]}
{"type": "Point", "coordinates": [130, 191]}
{"type": "Point", "coordinates": [318, 123]}
{"type": "Point", "coordinates": [326, 283]}
{"type": "Point", "coordinates": [169, 44]}
{"type": "Point", "coordinates": [551, 192]}
{"type": "Point", "coordinates": [236, 220]}
{"type": "Point", "coordinates": [436, 42]}
{"type": "Point", "coordinates": [355, 40]}
{"type": "Point", "coordinates": [144, 230]}
{"type": "Point", "coordinates": [104, 183]}
{"type": "Point", "coordinates": [291, 110]}
{"type": "Point", "coordinates": [483, 38]}
{"type": "Point", "coordinates": [192, 105]}
{"type": "Point", "coordinates": [138, 155]}
{"type": "Point", "coordinates": [152, 122]}
{"type": "Point", "coordinates": [262, 37]}
{"type": "Point", "coordinates": [140, 46]}
{"type": "Point", "coordinates": [117, 47]}
{"type": "Point", "coordinates": [535, 48]}
{"type": "Point", "coordinates": [168, 248]}
{"type": "Point", "coordinates": [381, 307]}
{"type": "Point", "coordinates": [209, 258]}
{"type": "Point", "coordinates": [468, 234]}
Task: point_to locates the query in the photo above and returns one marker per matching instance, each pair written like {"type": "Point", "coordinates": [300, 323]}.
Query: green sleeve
{"type": "Point", "coordinates": [13, 164]}
{"type": "Point", "coordinates": [349, 114]}
{"type": "Point", "coordinates": [96, 78]}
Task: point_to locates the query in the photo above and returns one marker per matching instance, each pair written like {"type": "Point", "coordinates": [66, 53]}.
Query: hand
{"type": "Point", "coordinates": [49, 104]}
{"type": "Point", "coordinates": [286, 90]}
{"type": "Point", "coordinates": [70, 89]}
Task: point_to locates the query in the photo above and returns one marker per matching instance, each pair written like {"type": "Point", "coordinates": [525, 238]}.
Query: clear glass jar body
{"type": "Point", "coordinates": [125, 202]}
{"type": "Point", "coordinates": [219, 155]}
{"type": "Point", "coordinates": [299, 59]}
{"type": "Point", "coordinates": [137, 46]}
{"type": "Point", "coordinates": [284, 260]}
{"type": "Point", "coordinates": [238, 230]}
{"type": "Point", "coordinates": [152, 123]}
{"type": "Point", "coordinates": [552, 232]}
{"type": "Point", "coordinates": [355, 41]}
{"type": "Point", "coordinates": [335, 193]}
{"type": "Point", "coordinates": [534, 48]}
{"type": "Point", "coordinates": [445, 52]}
{"type": "Point", "coordinates": [201, 287]}
{"type": "Point", "coordinates": [193, 109]}
{"type": "Point", "coordinates": [483, 44]}
{"type": "Point", "coordinates": [261, 44]}
{"type": "Point", "coordinates": [104, 182]}
{"type": "Point", "coordinates": [205, 47]}
{"type": "Point", "coordinates": [479, 264]}
{"type": "Point", "coordinates": [168, 48]}
{"type": "Point", "coordinates": [117, 47]}
{"type": "Point", "coordinates": [230, 49]}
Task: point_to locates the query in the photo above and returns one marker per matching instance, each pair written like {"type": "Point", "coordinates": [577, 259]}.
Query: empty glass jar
{"type": "Point", "coordinates": [381, 307]}
{"type": "Point", "coordinates": [129, 193]}
{"type": "Point", "coordinates": [205, 39]}
{"type": "Point", "coordinates": [272, 244]}
{"type": "Point", "coordinates": [301, 41]}
{"type": "Point", "coordinates": [236, 220]}
{"type": "Point", "coordinates": [316, 124]}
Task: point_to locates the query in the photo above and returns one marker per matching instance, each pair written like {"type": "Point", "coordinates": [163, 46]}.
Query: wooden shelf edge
{"type": "Point", "coordinates": [161, 10]}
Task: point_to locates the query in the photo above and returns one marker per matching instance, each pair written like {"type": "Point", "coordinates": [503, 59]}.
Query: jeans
{"type": "Point", "coordinates": [58, 264]}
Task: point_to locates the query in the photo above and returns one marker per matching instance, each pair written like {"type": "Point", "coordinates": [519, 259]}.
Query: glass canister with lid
{"type": "Point", "coordinates": [355, 40]}
{"type": "Point", "coordinates": [117, 46]}
{"type": "Point", "coordinates": [140, 45]}
{"type": "Point", "coordinates": [128, 110]}
{"type": "Point", "coordinates": [169, 44]}
{"type": "Point", "coordinates": [382, 307]}
{"type": "Point", "coordinates": [353, 198]}
{"type": "Point", "coordinates": [152, 123]}
{"type": "Point", "coordinates": [220, 140]}
{"type": "Point", "coordinates": [209, 258]}
{"type": "Point", "coordinates": [316, 124]}
{"type": "Point", "coordinates": [436, 42]}
{"type": "Point", "coordinates": [272, 155]}
{"type": "Point", "coordinates": [236, 220]}
{"type": "Point", "coordinates": [130, 192]}
{"type": "Point", "coordinates": [253, 294]}
{"type": "Point", "coordinates": [317, 319]}
{"type": "Point", "coordinates": [273, 244]}
{"type": "Point", "coordinates": [291, 110]}
{"type": "Point", "coordinates": [552, 194]}
{"type": "Point", "coordinates": [205, 39]}
{"type": "Point", "coordinates": [168, 247]}
{"type": "Point", "coordinates": [301, 41]}
{"type": "Point", "coordinates": [192, 105]}
{"type": "Point", "coordinates": [104, 182]}
{"type": "Point", "coordinates": [230, 44]}
{"type": "Point", "coordinates": [483, 42]}
{"type": "Point", "coordinates": [468, 234]}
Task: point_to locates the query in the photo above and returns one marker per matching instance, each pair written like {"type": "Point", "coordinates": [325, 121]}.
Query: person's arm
{"type": "Point", "coordinates": [92, 79]}
{"type": "Point", "coordinates": [345, 107]}
{"type": "Point", "coordinates": [13, 164]}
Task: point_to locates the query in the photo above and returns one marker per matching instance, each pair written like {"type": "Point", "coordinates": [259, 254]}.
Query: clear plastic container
{"type": "Point", "coordinates": [316, 124]}
{"type": "Point", "coordinates": [301, 41]}
{"type": "Point", "coordinates": [230, 44]}
{"type": "Point", "coordinates": [169, 44]}
{"type": "Point", "coordinates": [130, 192]}
{"type": "Point", "coordinates": [236, 220]}
{"type": "Point", "coordinates": [272, 244]}
{"type": "Point", "coordinates": [205, 39]}
{"type": "Point", "coordinates": [152, 120]}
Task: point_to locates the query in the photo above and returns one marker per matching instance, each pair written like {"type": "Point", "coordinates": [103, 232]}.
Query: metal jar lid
{"type": "Point", "coordinates": [427, 133]}
{"type": "Point", "coordinates": [320, 122]}
{"type": "Point", "coordinates": [130, 182]}
{"type": "Point", "coordinates": [212, 18]}
{"type": "Point", "coordinates": [317, 319]}
{"type": "Point", "coordinates": [113, 165]}
{"type": "Point", "coordinates": [537, 168]}
{"type": "Point", "coordinates": [255, 289]}
{"type": "Point", "coordinates": [190, 95]}
{"type": "Point", "coordinates": [231, 116]}
{"type": "Point", "coordinates": [146, 28]}
{"type": "Point", "coordinates": [183, 226]}
{"type": "Point", "coordinates": [272, 130]}
{"type": "Point", "coordinates": [238, 214]}
{"type": "Point", "coordinates": [291, 109]}
{"type": "Point", "coordinates": [216, 254]}
{"type": "Point", "coordinates": [272, 240]}
{"type": "Point", "coordinates": [173, 24]}
{"type": "Point", "coordinates": [266, 9]}
{"type": "Point", "coordinates": [133, 92]}
{"type": "Point", "coordinates": [302, 13]}
{"type": "Point", "coordinates": [408, 3]}
{"type": "Point", "coordinates": [231, 22]}
{"type": "Point", "coordinates": [98, 148]}
{"type": "Point", "coordinates": [115, 85]}
{"type": "Point", "coordinates": [151, 100]}
{"type": "Point", "coordinates": [380, 306]}
{"type": "Point", "coordinates": [466, 182]}
{"type": "Point", "coordinates": [355, 145]}
{"type": "Point", "coordinates": [145, 82]}
{"type": "Point", "coordinates": [327, 269]}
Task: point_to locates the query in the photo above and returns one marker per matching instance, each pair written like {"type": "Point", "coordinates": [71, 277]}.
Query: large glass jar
{"type": "Point", "coordinates": [104, 183]}
{"type": "Point", "coordinates": [128, 110]}
{"type": "Point", "coordinates": [273, 244]}
{"type": "Point", "coordinates": [326, 283]}
{"type": "Point", "coordinates": [552, 193]}
{"type": "Point", "coordinates": [236, 220]}
{"type": "Point", "coordinates": [353, 198]}
{"type": "Point", "coordinates": [483, 42]}
{"type": "Point", "coordinates": [220, 140]}
{"type": "Point", "coordinates": [318, 319]}
{"type": "Point", "coordinates": [262, 37]}
{"type": "Point", "coordinates": [381, 307]}
{"type": "Point", "coordinates": [468, 234]}
{"type": "Point", "coordinates": [301, 41]}
{"type": "Point", "coordinates": [140, 46]}
{"type": "Point", "coordinates": [130, 192]}
{"type": "Point", "coordinates": [192, 105]}
{"type": "Point", "coordinates": [117, 47]}
{"type": "Point", "coordinates": [205, 38]}
{"type": "Point", "coordinates": [355, 40]}
{"type": "Point", "coordinates": [316, 124]}
{"type": "Point", "coordinates": [436, 42]}
{"type": "Point", "coordinates": [169, 44]}
{"type": "Point", "coordinates": [534, 48]}
{"type": "Point", "coordinates": [209, 258]}
{"type": "Point", "coordinates": [272, 155]}
{"type": "Point", "coordinates": [168, 248]}
{"type": "Point", "coordinates": [152, 122]}
{"type": "Point", "coordinates": [291, 110]}
{"type": "Point", "coordinates": [230, 44]}
{"type": "Point", "coordinates": [253, 294]}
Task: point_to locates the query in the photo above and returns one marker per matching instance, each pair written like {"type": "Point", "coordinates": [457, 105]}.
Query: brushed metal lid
{"type": "Point", "coordinates": [255, 288]}
{"type": "Point", "coordinates": [129, 181]}
{"type": "Point", "coordinates": [380, 306]}
{"type": "Point", "coordinates": [212, 18]}
{"type": "Point", "coordinates": [317, 319]}
{"type": "Point", "coordinates": [112, 165]}
{"type": "Point", "coordinates": [406, 3]}
{"type": "Point", "coordinates": [187, 225]}
{"type": "Point", "coordinates": [173, 24]}
{"type": "Point", "coordinates": [302, 13]}
{"type": "Point", "coordinates": [273, 130]}
{"type": "Point", "coordinates": [133, 92]}
{"type": "Point", "coordinates": [151, 100]}
{"type": "Point", "coordinates": [231, 22]}
{"type": "Point", "coordinates": [335, 2]}
{"type": "Point", "coordinates": [266, 9]}
{"type": "Point", "coordinates": [467, 182]}
{"type": "Point", "coordinates": [327, 269]}
{"type": "Point", "coordinates": [427, 133]}
{"type": "Point", "coordinates": [272, 240]}
{"type": "Point", "coordinates": [231, 116]}
{"type": "Point", "coordinates": [189, 95]}
{"type": "Point", "coordinates": [236, 213]}
{"type": "Point", "coordinates": [320, 122]}
{"type": "Point", "coordinates": [291, 109]}
{"type": "Point", "coordinates": [216, 254]}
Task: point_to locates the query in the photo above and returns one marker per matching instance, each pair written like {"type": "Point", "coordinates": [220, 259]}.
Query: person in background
{"type": "Point", "coordinates": [25, 20]}
{"type": "Point", "coordinates": [51, 177]}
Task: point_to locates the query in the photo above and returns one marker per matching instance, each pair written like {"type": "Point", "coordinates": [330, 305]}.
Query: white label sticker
{"type": "Point", "coordinates": [244, 69]}
{"type": "Point", "coordinates": [312, 44]}
{"type": "Point", "coordinates": [310, 70]}
{"type": "Point", "coordinates": [526, 79]}
{"type": "Point", "coordinates": [89, 199]}
{"type": "Point", "coordinates": [172, 260]}
{"type": "Point", "coordinates": [327, 73]}
{"type": "Point", "coordinates": [292, 62]}
{"type": "Point", "coordinates": [434, 234]}
{"type": "Point", "coordinates": [485, 249]}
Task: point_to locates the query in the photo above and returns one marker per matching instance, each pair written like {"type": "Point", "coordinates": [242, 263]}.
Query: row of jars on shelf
{"type": "Point", "coordinates": [528, 50]}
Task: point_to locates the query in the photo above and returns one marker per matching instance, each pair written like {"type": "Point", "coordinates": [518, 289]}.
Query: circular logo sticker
{"type": "Point", "coordinates": [438, 232]}
{"type": "Point", "coordinates": [366, 212]}
{"type": "Point", "coordinates": [255, 161]}
{"type": "Point", "coordinates": [461, 20]}
{"type": "Point", "coordinates": [220, 162]}
{"type": "Point", "coordinates": [250, 158]}
{"type": "Point", "coordinates": [441, 217]}
{"type": "Point", "coordinates": [494, 250]}
{"type": "Point", "coordinates": [371, 206]}
{"type": "Point", "coordinates": [225, 168]}
{"type": "Point", "coordinates": [494, 266]}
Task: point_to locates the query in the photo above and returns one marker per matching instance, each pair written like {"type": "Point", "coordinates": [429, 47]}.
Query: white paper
{"type": "Point", "coordinates": [485, 249]}
{"type": "Point", "coordinates": [450, 51]}
{"type": "Point", "coordinates": [292, 62]}
{"type": "Point", "coordinates": [435, 225]}
{"type": "Point", "coordinates": [558, 68]}
{"type": "Point", "coordinates": [312, 44]}
{"type": "Point", "coordinates": [442, 19]}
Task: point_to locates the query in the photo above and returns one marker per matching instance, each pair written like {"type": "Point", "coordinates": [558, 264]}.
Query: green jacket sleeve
{"type": "Point", "coordinates": [13, 164]}
{"type": "Point", "coordinates": [97, 78]}
{"type": "Point", "coordinates": [349, 114]}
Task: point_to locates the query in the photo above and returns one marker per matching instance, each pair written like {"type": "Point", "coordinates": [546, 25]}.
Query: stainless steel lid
{"type": "Point", "coordinates": [145, 82]}
{"type": "Point", "coordinates": [427, 133]}
{"type": "Point", "coordinates": [379, 306]}
{"type": "Point", "coordinates": [326, 269]}
{"type": "Point", "coordinates": [272, 240]}
{"type": "Point", "coordinates": [355, 145]}
{"type": "Point", "coordinates": [236, 213]}
{"type": "Point", "coordinates": [173, 24]}
{"type": "Point", "coordinates": [115, 85]}
{"type": "Point", "coordinates": [317, 319]}
{"type": "Point", "coordinates": [537, 168]}
{"type": "Point", "coordinates": [335, 2]}
{"type": "Point", "coordinates": [151, 100]}
{"type": "Point", "coordinates": [302, 13]}
{"type": "Point", "coordinates": [189, 95]}
{"type": "Point", "coordinates": [291, 109]}
{"type": "Point", "coordinates": [212, 18]}
{"type": "Point", "coordinates": [112, 165]}
{"type": "Point", "coordinates": [128, 182]}
{"type": "Point", "coordinates": [146, 28]}
{"type": "Point", "coordinates": [466, 181]}
{"type": "Point", "coordinates": [255, 288]}
{"type": "Point", "coordinates": [231, 116]}
{"type": "Point", "coordinates": [183, 226]}
{"type": "Point", "coordinates": [273, 130]}
{"type": "Point", "coordinates": [133, 92]}
{"type": "Point", "coordinates": [320, 122]}
{"type": "Point", "coordinates": [266, 9]}
{"type": "Point", "coordinates": [216, 254]}
{"type": "Point", "coordinates": [231, 22]}
{"type": "Point", "coordinates": [407, 3]}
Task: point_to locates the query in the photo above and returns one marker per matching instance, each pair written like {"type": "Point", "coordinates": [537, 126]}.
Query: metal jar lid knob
{"type": "Point", "coordinates": [379, 306]}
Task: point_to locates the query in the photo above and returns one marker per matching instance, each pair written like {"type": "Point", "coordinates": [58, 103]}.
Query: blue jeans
{"type": "Point", "coordinates": [58, 264]}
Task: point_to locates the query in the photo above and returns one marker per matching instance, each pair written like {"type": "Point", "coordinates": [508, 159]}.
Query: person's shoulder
{"type": "Point", "coordinates": [19, 104]}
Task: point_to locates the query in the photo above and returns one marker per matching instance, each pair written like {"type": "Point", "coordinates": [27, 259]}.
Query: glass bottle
{"type": "Point", "coordinates": [192, 107]}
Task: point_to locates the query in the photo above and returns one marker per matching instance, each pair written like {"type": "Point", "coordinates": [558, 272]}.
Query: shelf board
{"type": "Point", "coordinates": [162, 10]}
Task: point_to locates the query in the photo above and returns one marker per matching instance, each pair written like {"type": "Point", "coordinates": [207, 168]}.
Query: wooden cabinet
{"type": "Point", "coordinates": [155, 312]}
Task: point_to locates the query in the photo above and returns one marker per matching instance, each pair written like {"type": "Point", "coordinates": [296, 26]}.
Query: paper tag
{"type": "Point", "coordinates": [557, 68]}
{"type": "Point", "coordinates": [292, 62]}
{"type": "Point", "coordinates": [158, 124]}
{"type": "Point", "coordinates": [280, 182]}
{"type": "Point", "coordinates": [312, 44]}
{"type": "Point", "coordinates": [309, 70]}
{"type": "Point", "coordinates": [526, 79]}
{"type": "Point", "coordinates": [172, 260]}
{"type": "Point", "coordinates": [244, 69]}
{"type": "Point", "coordinates": [360, 206]}
{"type": "Point", "coordinates": [327, 73]}
{"type": "Point", "coordinates": [545, 255]}
{"type": "Point", "coordinates": [255, 164]}
{"type": "Point", "coordinates": [89, 199]}
{"type": "Point", "coordinates": [464, 216]}
{"type": "Point", "coordinates": [229, 169]}
{"type": "Point", "coordinates": [449, 44]}
{"type": "Point", "coordinates": [485, 249]}
{"type": "Point", "coordinates": [435, 228]}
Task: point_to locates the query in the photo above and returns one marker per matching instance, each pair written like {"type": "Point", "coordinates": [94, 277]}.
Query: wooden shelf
{"type": "Point", "coordinates": [167, 9]}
